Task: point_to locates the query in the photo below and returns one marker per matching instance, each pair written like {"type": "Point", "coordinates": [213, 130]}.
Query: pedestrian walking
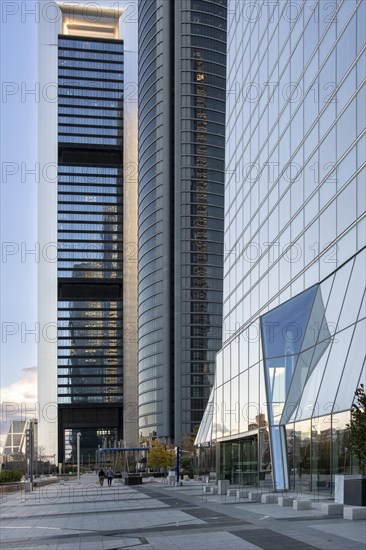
{"type": "Point", "coordinates": [109, 476]}
{"type": "Point", "coordinates": [101, 477]}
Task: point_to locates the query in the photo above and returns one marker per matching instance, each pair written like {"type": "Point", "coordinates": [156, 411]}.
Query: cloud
{"type": "Point", "coordinates": [18, 401]}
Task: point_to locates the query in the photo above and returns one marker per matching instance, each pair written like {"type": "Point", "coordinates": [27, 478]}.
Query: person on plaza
{"type": "Point", "coordinates": [101, 476]}
{"type": "Point", "coordinates": [109, 476]}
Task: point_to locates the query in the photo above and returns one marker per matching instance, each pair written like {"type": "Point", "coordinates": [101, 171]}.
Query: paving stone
{"type": "Point", "coordinates": [156, 516]}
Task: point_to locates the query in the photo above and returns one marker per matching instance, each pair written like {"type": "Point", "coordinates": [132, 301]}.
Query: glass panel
{"type": "Point", "coordinates": [248, 461]}
{"type": "Point", "coordinates": [243, 400]}
{"type": "Point", "coordinates": [362, 312]}
{"type": "Point", "coordinates": [243, 357]}
{"type": "Point", "coordinates": [253, 333]}
{"type": "Point", "coordinates": [333, 371]}
{"type": "Point", "coordinates": [363, 376]}
{"type": "Point", "coordinates": [219, 374]}
{"type": "Point", "coordinates": [307, 360]}
{"type": "Point", "coordinates": [325, 288]}
{"type": "Point", "coordinates": [300, 469]}
{"type": "Point", "coordinates": [226, 363]}
{"type": "Point", "coordinates": [225, 461]}
{"type": "Point", "coordinates": [352, 369]}
{"type": "Point", "coordinates": [218, 415]}
{"type": "Point", "coordinates": [320, 454]}
{"type": "Point", "coordinates": [335, 301]}
{"type": "Point", "coordinates": [234, 357]}
{"type": "Point", "coordinates": [354, 292]}
{"type": "Point", "coordinates": [234, 405]}
{"type": "Point", "coordinates": [311, 388]}
{"type": "Point", "coordinates": [341, 457]}
{"type": "Point", "coordinates": [264, 463]}
{"type": "Point", "coordinates": [253, 409]}
{"type": "Point", "coordinates": [226, 410]}
{"type": "Point", "coordinates": [262, 392]}
{"type": "Point", "coordinates": [290, 454]}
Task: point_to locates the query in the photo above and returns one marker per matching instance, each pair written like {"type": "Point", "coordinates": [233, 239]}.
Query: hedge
{"type": "Point", "coordinates": [8, 476]}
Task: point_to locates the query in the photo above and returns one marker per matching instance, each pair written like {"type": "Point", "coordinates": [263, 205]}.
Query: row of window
{"type": "Point", "coordinates": [98, 46]}
{"type": "Point", "coordinates": [83, 64]}
{"type": "Point", "coordinates": [87, 84]}
{"type": "Point", "coordinates": [90, 55]}
{"type": "Point", "coordinates": [94, 111]}
{"type": "Point", "coordinates": [86, 92]}
{"type": "Point", "coordinates": [90, 74]}
{"type": "Point", "coordinates": [89, 140]}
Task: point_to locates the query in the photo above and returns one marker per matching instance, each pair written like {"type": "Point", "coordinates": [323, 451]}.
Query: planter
{"type": "Point", "coordinates": [339, 480]}
{"type": "Point", "coordinates": [133, 480]}
{"type": "Point", "coordinates": [355, 492]}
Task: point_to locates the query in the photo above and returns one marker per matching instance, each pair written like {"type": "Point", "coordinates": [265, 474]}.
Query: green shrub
{"type": "Point", "coordinates": [8, 476]}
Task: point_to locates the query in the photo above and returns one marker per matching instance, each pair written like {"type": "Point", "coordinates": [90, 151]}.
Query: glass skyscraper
{"type": "Point", "coordinates": [93, 194]}
{"type": "Point", "coordinates": [90, 236]}
{"type": "Point", "coordinates": [182, 68]}
{"type": "Point", "coordinates": [295, 231]}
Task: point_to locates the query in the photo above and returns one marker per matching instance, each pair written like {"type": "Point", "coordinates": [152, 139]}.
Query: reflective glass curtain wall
{"type": "Point", "coordinates": [90, 234]}
{"type": "Point", "coordinates": [182, 66]}
{"type": "Point", "coordinates": [295, 224]}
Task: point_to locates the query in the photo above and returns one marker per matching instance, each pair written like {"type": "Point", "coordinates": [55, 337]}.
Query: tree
{"type": "Point", "coordinates": [187, 440]}
{"type": "Point", "coordinates": [187, 452]}
{"type": "Point", "coordinates": [357, 427]}
{"type": "Point", "coordinates": [160, 456]}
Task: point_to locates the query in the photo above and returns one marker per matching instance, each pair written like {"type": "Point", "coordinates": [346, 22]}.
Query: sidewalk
{"type": "Point", "coordinates": [155, 516]}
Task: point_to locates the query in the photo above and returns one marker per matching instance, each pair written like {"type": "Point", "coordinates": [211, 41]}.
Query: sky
{"type": "Point", "coordinates": [18, 200]}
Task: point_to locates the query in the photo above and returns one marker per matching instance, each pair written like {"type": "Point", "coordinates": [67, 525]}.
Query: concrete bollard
{"type": "Point", "coordinates": [254, 496]}
{"type": "Point", "coordinates": [332, 509]}
{"type": "Point", "coordinates": [269, 498]}
{"type": "Point", "coordinates": [354, 512]}
{"type": "Point", "coordinates": [302, 505]}
{"type": "Point", "coordinates": [222, 486]}
{"type": "Point", "coordinates": [285, 501]}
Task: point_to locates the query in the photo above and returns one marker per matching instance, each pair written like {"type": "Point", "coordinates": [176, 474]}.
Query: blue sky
{"type": "Point", "coordinates": [18, 194]}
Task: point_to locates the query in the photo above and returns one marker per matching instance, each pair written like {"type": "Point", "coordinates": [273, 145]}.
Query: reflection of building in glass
{"type": "Point", "coordinates": [16, 438]}
{"type": "Point", "coordinates": [93, 196]}
{"type": "Point", "coordinates": [182, 67]}
{"type": "Point", "coordinates": [294, 275]}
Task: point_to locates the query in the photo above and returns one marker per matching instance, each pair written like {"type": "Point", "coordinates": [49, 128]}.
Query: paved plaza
{"type": "Point", "coordinates": [72, 516]}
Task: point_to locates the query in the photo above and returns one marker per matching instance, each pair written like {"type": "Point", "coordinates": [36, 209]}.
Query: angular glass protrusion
{"type": "Point", "coordinates": [284, 330]}
{"type": "Point", "coordinates": [309, 355]}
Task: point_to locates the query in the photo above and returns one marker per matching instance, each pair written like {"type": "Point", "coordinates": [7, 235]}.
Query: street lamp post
{"type": "Point", "coordinates": [31, 443]}
{"type": "Point", "coordinates": [78, 454]}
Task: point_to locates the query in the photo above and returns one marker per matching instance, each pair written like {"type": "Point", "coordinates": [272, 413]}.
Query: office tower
{"type": "Point", "coordinates": [90, 211]}
{"type": "Point", "coordinates": [294, 273]}
{"type": "Point", "coordinates": [15, 440]}
{"type": "Point", "coordinates": [182, 66]}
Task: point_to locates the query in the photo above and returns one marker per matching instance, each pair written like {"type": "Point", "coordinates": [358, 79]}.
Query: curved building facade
{"type": "Point", "coordinates": [182, 69]}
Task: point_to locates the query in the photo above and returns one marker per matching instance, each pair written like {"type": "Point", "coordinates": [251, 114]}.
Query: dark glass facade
{"type": "Point", "coordinates": [182, 66]}
{"type": "Point", "coordinates": [90, 242]}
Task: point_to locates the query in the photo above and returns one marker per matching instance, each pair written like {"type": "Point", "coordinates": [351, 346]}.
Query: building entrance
{"type": "Point", "coordinates": [239, 461]}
